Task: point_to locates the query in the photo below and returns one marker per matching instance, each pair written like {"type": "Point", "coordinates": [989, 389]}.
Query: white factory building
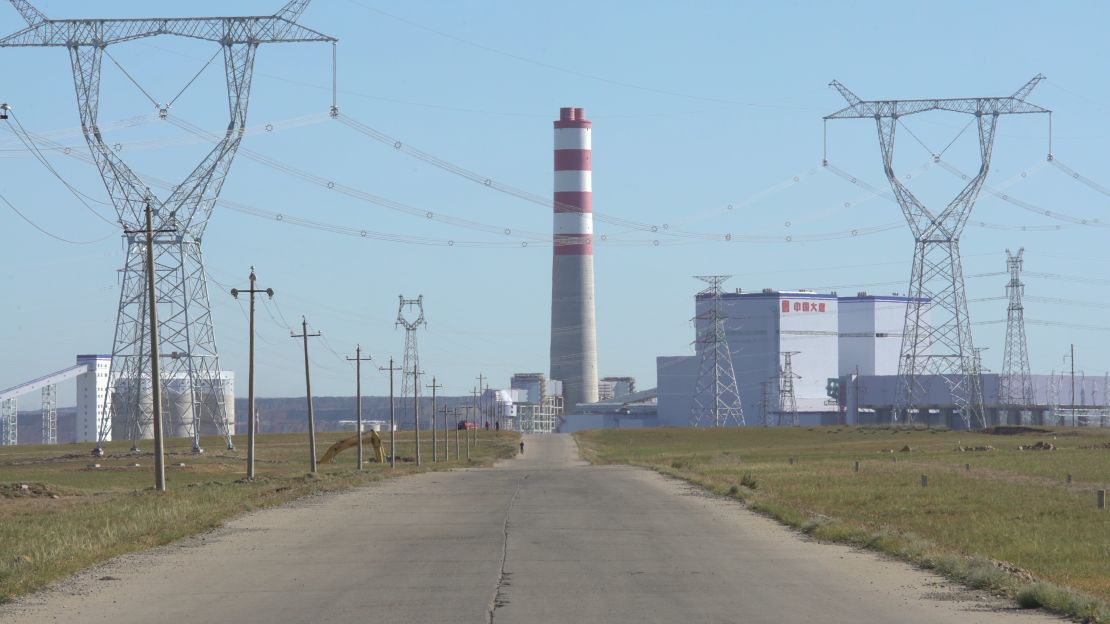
{"type": "Point", "coordinates": [96, 391]}
{"type": "Point", "coordinates": [828, 336]}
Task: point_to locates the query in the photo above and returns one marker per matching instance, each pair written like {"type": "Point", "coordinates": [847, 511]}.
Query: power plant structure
{"type": "Point", "coordinates": [185, 334]}
{"type": "Point", "coordinates": [937, 336]}
{"type": "Point", "coordinates": [573, 323]}
{"type": "Point", "coordinates": [835, 334]}
{"type": "Point", "coordinates": [93, 400]}
{"type": "Point", "coordinates": [539, 407]}
{"type": "Point", "coordinates": [97, 391]}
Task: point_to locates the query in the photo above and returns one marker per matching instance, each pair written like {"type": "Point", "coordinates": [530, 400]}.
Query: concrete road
{"type": "Point", "coordinates": [542, 538]}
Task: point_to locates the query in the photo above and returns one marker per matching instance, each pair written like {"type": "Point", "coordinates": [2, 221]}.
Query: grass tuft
{"type": "Point", "coordinates": [749, 481]}
{"type": "Point", "coordinates": [1042, 595]}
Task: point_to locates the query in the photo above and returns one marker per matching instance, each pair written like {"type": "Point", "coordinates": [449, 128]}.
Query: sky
{"type": "Point", "coordinates": [707, 129]}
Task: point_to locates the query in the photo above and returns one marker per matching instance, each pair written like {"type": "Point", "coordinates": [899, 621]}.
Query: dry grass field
{"type": "Point", "coordinates": [999, 518]}
{"type": "Point", "coordinates": [58, 514]}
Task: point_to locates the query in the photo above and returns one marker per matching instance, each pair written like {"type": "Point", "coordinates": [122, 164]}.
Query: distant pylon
{"type": "Point", "coordinates": [410, 366]}
{"type": "Point", "coordinates": [788, 402]}
{"type": "Point", "coordinates": [1053, 398]}
{"type": "Point", "coordinates": [716, 396]}
{"type": "Point", "coordinates": [1017, 387]}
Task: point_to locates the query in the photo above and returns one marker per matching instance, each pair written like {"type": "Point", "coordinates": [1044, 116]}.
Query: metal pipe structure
{"type": "Point", "coordinates": [573, 324]}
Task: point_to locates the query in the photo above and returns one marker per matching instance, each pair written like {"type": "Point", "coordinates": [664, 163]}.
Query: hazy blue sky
{"type": "Point", "coordinates": [696, 106]}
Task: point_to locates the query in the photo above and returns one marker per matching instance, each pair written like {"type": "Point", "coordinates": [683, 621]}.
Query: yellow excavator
{"type": "Point", "coordinates": [368, 437]}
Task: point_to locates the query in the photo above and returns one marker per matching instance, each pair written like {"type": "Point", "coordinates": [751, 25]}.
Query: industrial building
{"type": "Point", "coordinates": [826, 335]}
{"type": "Point", "coordinates": [183, 407]}
{"type": "Point", "coordinates": [93, 400]}
{"type": "Point", "coordinates": [611, 387]}
{"type": "Point", "coordinates": [96, 394]}
{"type": "Point", "coordinates": [871, 400]}
{"type": "Point", "coordinates": [535, 403]}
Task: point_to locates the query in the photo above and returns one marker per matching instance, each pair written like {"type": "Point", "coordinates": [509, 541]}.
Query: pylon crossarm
{"type": "Point", "coordinates": [224, 30]}
{"type": "Point", "coordinates": [875, 109]}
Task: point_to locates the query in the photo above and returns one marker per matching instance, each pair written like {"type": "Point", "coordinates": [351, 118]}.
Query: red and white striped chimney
{"type": "Point", "coordinates": [573, 324]}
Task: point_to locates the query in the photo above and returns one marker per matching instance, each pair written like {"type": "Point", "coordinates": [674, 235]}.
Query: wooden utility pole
{"type": "Point", "coordinates": [1074, 421]}
{"type": "Point", "coordinates": [358, 360]}
{"type": "Point", "coordinates": [392, 416]}
{"type": "Point", "coordinates": [416, 410]}
{"type": "Point", "coordinates": [446, 436]}
{"type": "Point", "coordinates": [252, 418]}
{"type": "Point", "coordinates": [435, 441]}
{"type": "Point", "coordinates": [308, 391]}
{"type": "Point", "coordinates": [478, 406]}
{"type": "Point", "coordinates": [455, 413]}
{"type": "Point", "coordinates": [155, 374]}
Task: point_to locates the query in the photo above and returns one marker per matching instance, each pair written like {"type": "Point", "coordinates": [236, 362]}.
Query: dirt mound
{"type": "Point", "coordinates": [1039, 446]}
{"type": "Point", "coordinates": [1014, 430]}
{"type": "Point", "coordinates": [26, 490]}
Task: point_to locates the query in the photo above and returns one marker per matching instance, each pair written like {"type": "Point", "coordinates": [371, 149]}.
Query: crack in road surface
{"type": "Point", "coordinates": [495, 600]}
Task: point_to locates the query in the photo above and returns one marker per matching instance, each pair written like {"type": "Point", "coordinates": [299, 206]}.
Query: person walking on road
{"type": "Point", "coordinates": [522, 447]}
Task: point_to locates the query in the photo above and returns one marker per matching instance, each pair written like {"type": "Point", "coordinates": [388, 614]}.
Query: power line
{"type": "Point", "coordinates": [44, 231]}
{"type": "Point", "coordinates": [27, 141]}
{"type": "Point", "coordinates": [573, 72]}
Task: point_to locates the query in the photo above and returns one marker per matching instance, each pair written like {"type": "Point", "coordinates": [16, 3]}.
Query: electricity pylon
{"type": "Point", "coordinates": [185, 333]}
{"type": "Point", "coordinates": [937, 336]}
{"type": "Point", "coordinates": [788, 402]}
{"type": "Point", "coordinates": [410, 366]}
{"type": "Point", "coordinates": [716, 396]}
{"type": "Point", "coordinates": [1017, 387]}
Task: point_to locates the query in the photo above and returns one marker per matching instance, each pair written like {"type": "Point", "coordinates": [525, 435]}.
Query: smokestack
{"type": "Point", "coordinates": [573, 326]}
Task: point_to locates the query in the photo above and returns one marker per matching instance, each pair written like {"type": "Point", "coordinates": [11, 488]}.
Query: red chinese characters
{"type": "Point", "coordinates": [803, 306]}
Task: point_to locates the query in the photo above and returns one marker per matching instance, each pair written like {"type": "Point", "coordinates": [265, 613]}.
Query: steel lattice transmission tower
{"type": "Point", "coordinates": [410, 367]}
{"type": "Point", "coordinates": [716, 396]}
{"type": "Point", "coordinates": [788, 402]}
{"type": "Point", "coordinates": [185, 331]}
{"type": "Point", "coordinates": [937, 336]}
{"type": "Point", "coordinates": [50, 414]}
{"type": "Point", "coordinates": [1017, 387]}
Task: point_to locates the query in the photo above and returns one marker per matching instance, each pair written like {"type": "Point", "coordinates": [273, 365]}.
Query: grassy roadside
{"type": "Point", "coordinates": [58, 515]}
{"type": "Point", "coordinates": [1012, 524]}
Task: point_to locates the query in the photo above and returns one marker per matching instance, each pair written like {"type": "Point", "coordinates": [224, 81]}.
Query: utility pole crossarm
{"type": "Point", "coordinates": [105, 32]}
{"type": "Point", "coordinates": [876, 109]}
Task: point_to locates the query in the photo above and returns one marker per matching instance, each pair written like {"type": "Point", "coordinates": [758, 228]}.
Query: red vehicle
{"type": "Point", "coordinates": [466, 424]}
